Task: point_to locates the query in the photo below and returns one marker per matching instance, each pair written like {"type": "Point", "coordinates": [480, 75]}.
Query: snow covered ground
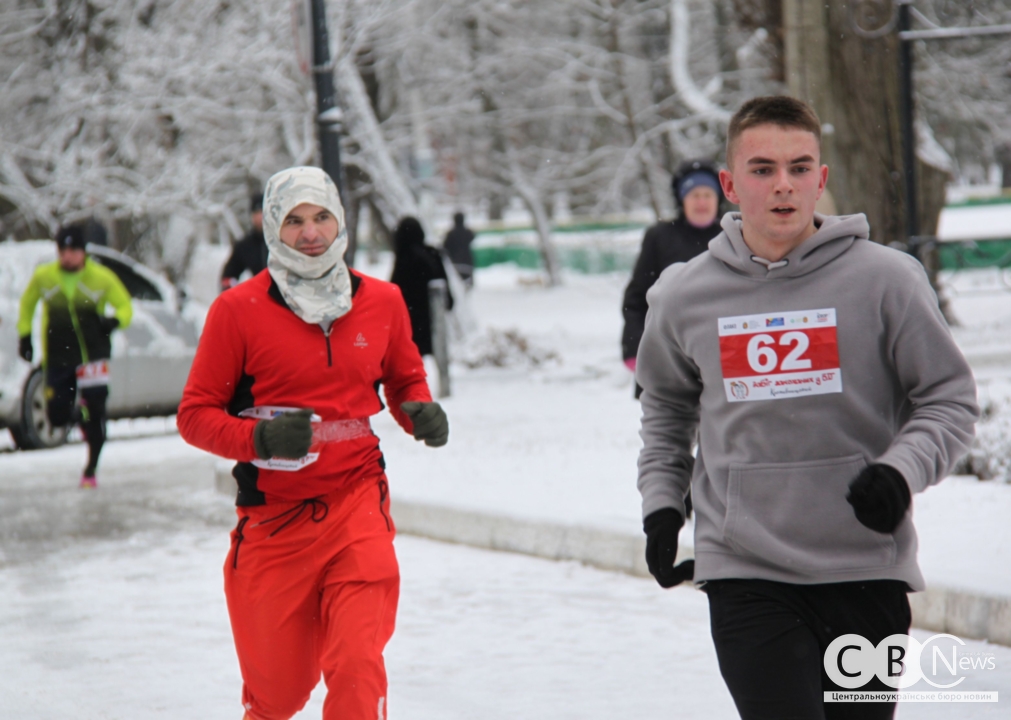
{"type": "Point", "coordinates": [559, 441]}
{"type": "Point", "coordinates": [135, 628]}
{"type": "Point", "coordinates": [111, 603]}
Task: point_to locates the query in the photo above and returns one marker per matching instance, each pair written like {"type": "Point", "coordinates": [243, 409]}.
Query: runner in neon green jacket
{"type": "Point", "coordinates": [75, 292]}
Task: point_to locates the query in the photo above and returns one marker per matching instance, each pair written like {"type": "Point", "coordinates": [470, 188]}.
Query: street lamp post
{"type": "Point", "coordinates": [329, 117]}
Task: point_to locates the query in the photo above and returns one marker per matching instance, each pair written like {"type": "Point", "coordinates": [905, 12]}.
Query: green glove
{"type": "Point", "coordinates": [286, 436]}
{"type": "Point", "coordinates": [430, 422]}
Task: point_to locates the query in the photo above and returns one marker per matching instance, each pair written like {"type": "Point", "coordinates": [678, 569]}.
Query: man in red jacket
{"type": "Point", "coordinates": [284, 381]}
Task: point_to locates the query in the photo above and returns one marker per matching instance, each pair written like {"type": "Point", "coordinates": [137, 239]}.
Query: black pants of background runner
{"type": "Point", "coordinates": [61, 396]}
{"type": "Point", "coordinates": [771, 638]}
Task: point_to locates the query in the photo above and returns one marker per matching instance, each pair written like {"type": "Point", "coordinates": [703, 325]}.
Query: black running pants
{"type": "Point", "coordinates": [771, 638]}
{"type": "Point", "coordinates": [61, 396]}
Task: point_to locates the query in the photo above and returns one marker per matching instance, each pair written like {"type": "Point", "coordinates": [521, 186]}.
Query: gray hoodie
{"type": "Point", "coordinates": [793, 377]}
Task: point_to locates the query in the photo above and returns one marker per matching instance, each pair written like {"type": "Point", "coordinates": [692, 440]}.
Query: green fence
{"type": "Point", "coordinates": [524, 257]}
{"type": "Point", "coordinates": [590, 261]}
{"type": "Point", "coordinates": [595, 252]}
{"type": "Point", "coordinates": [597, 255]}
{"type": "Point", "coordinates": [975, 254]}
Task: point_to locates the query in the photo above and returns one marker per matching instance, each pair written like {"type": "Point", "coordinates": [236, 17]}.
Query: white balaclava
{"type": "Point", "coordinates": [317, 289]}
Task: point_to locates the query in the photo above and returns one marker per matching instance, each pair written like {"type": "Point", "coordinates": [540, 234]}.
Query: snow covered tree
{"type": "Point", "coordinates": [158, 117]}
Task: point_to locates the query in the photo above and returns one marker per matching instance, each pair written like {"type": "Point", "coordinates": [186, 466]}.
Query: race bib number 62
{"type": "Point", "coordinates": [776, 356]}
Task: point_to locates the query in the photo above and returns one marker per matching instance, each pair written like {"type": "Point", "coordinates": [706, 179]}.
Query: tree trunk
{"type": "Point", "coordinates": [806, 69]}
{"type": "Point", "coordinates": [532, 199]}
{"type": "Point", "coordinates": [864, 79]}
{"type": "Point", "coordinates": [628, 109]}
{"type": "Point", "coordinates": [392, 193]}
{"type": "Point", "coordinates": [853, 84]}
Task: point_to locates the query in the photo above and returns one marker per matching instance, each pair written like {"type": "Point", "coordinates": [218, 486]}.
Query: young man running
{"type": "Point", "coordinates": [285, 379]}
{"type": "Point", "coordinates": [75, 291]}
{"type": "Point", "coordinates": [825, 389]}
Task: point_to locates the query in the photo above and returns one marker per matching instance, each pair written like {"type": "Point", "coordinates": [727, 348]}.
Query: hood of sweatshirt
{"type": "Point", "coordinates": [835, 235]}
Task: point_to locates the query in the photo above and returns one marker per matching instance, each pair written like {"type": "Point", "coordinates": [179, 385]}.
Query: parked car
{"type": "Point", "coordinates": [150, 361]}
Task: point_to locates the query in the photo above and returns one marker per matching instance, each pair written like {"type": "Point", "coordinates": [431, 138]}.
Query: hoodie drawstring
{"type": "Point", "coordinates": [239, 537]}
{"type": "Point", "coordinates": [769, 264]}
{"type": "Point", "coordinates": [384, 492]}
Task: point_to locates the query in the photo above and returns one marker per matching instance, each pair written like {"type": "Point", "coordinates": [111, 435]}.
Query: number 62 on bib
{"type": "Point", "coordinates": [777, 356]}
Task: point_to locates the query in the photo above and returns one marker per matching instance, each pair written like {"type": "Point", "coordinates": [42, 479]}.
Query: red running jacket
{"type": "Point", "coordinates": [255, 351]}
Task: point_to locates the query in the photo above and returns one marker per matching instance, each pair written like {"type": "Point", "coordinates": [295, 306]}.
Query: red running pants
{"type": "Point", "coordinates": [312, 588]}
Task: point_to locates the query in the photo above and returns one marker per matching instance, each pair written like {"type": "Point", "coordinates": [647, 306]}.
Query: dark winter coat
{"type": "Point", "coordinates": [250, 253]}
{"type": "Point", "coordinates": [457, 247]}
{"type": "Point", "coordinates": [665, 243]}
{"type": "Point", "coordinates": [415, 266]}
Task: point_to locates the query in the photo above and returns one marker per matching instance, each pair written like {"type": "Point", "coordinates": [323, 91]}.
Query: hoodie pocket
{"type": "Point", "coordinates": [795, 516]}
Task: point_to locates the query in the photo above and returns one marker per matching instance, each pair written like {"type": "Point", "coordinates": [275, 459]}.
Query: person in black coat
{"type": "Point", "coordinates": [457, 247]}
{"type": "Point", "coordinates": [698, 194]}
{"type": "Point", "coordinates": [417, 264]}
{"type": "Point", "coordinates": [250, 253]}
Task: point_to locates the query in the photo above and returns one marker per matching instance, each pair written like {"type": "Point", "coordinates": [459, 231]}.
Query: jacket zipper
{"type": "Point", "coordinates": [329, 354]}
{"type": "Point", "coordinates": [77, 331]}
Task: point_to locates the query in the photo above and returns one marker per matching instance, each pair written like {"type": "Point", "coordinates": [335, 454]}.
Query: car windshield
{"type": "Point", "coordinates": [139, 287]}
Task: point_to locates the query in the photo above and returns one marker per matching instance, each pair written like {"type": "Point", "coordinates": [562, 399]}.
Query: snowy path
{"type": "Point", "coordinates": [147, 484]}
{"type": "Point", "coordinates": [111, 603]}
{"type": "Point", "coordinates": [137, 629]}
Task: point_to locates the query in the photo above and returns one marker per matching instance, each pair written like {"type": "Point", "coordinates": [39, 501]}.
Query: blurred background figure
{"type": "Point", "coordinates": [696, 187]}
{"type": "Point", "coordinates": [414, 266]}
{"type": "Point", "coordinates": [76, 330]}
{"type": "Point", "coordinates": [250, 253]}
{"type": "Point", "coordinates": [457, 247]}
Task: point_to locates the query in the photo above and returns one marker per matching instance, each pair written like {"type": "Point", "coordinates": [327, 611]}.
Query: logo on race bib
{"type": "Point", "coordinates": [780, 355]}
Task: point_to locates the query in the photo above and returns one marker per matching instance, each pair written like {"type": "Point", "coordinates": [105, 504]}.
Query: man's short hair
{"type": "Point", "coordinates": [781, 110]}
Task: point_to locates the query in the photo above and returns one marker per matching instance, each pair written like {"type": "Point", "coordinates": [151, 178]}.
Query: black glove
{"type": "Point", "coordinates": [25, 348]}
{"type": "Point", "coordinates": [430, 422]}
{"type": "Point", "coordinates": [108, 324]}
{"type": "Point", "coordinates": [662, 529]}
{"type": "Point", "coordinates": [286, 436]}
{"type": "Point", "coordinates": [880, 497]}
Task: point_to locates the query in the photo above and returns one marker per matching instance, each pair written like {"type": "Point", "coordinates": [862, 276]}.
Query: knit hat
{"type": "Point", "coordinates": [693, 174]}
{"type": "Point", "coordinates": [71, 237]}
{"type": "Point", "coordinates": [700, 178]}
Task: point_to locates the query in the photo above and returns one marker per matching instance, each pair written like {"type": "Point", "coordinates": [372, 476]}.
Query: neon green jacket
{"type": "Point", "coordinates": [72, 303]}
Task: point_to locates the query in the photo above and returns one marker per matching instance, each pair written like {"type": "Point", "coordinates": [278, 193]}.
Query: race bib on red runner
{"type": "Point", "coordinates": [269, 412]}
{"type": "Point", "coordinates": [93, 374]}
{"type": "Point", "coordinates": [776, 356]}
{"type": "Point", "coordinates": [323, 433]}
